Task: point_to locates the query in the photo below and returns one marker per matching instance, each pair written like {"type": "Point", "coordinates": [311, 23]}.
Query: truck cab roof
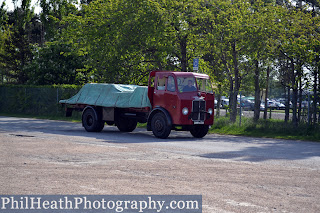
{"type": "Point", "coordinates": [178, 74]}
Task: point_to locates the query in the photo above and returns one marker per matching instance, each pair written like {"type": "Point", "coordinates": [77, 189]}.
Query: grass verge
{"type": "Point", "coordinates": [270, 128]}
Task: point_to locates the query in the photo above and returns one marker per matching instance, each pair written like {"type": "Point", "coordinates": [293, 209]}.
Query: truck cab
{"type": "Point", "coordinates": [180, 101]}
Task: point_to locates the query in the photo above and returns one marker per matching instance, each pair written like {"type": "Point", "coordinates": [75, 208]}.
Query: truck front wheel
{"type": "Point", "coordinates": [199, 131]}
{"type": "Point", "coordinates": [126, 125]}
{"type": "Point", "coordinates": [159, 126]}
{"type": "Point", "coordinates": [90, 122]}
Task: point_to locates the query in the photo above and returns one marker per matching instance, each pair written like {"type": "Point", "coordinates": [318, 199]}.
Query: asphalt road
{"type": "Point", "coordinates": [234, 174]}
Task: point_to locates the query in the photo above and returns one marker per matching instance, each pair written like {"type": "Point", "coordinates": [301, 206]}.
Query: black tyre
{"type": "Point", "coordinates": [90, 123]}
{"type": "Point", "coordinates": [100, 126]}
{"type": "Point", "coordinates": [199, 131]}
{"type": "Point", "coordinates": [159, 126]}
{"type": "Point", "coordinates": [126, 125]}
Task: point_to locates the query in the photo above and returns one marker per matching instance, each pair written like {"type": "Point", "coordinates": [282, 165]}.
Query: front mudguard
{"type": "Point", "coordinates": [156, 110]}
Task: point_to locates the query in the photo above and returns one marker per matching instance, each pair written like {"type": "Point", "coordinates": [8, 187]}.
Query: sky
{"type": "Point", "coordinates": [10, 6]}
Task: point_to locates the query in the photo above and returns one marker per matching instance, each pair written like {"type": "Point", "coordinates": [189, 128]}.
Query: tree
{"type": "Point", "coordinates": [4, 30]}
{"type": "Point", "coordinates": [52, 13]}
{"type": "Point", "coordinates": [181, 19]}
{"type": "Point", "coordinates": [123, 40]}
{"type": "Point", "coordinates": [293, 44]}
{"type": "Point", "coordinates": [227, 30]}
{"type": "Point", "coordinates": [260, 35]}
{"type": "Point", "coordinates": [314, 66]}
{"type": "Point", "coordinates": [16, 48]}
{"type": "Point", "coordinates": [55, 63]}
{"type": "Point", "coordinates": [135, 36]}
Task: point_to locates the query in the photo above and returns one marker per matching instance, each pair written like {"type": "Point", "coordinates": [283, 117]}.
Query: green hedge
{"type": "Point", "coordinates": [35, 100]}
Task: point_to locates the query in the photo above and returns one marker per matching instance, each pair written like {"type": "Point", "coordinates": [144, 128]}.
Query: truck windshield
{"type": "Point", "coordinates": [204, 85]}
{"type": "Point", "coordinates": [191, 84]}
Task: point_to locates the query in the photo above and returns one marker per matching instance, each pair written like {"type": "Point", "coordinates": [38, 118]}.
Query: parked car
{"type": "Point", "coordinates": [280, 105]}
{"type": "Point", "coordinates": [272, 104]}
{"type": "Point", "coordinates": [247, 104]}
{"type": "Point", "coordinates": [225, 103]}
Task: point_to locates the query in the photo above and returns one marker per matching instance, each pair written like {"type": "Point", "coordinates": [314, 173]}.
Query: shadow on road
{"type": "Point", "coordinates": [262, 149]}
{"type": "Point", "coordinates": [110, 133]}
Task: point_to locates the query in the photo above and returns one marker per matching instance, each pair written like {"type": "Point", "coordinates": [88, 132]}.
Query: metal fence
{"type": "Point", "coordinates": [34, 100]}
{"type": "Point", "coordinates": [307, 113]}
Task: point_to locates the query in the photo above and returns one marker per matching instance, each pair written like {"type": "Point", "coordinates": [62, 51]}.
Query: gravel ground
{"type": "Point", "coordinates": [233, 174]}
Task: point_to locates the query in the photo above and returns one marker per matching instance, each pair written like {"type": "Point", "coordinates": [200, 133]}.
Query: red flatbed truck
{"type": "Point", "coordinates": [182, 101]}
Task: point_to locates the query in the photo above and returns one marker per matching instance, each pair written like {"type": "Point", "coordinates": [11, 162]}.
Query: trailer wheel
{"type": "Point", "coordinates": [199, 131]}
{"type": "Point", "coordinates": [90, 123]}
{"type": "Point", "coordinates": [126, 125]}
{"type": "Point", "coordinates": [159, 126]}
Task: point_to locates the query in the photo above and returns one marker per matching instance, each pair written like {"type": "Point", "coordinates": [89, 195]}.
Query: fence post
{"type": "Point", "coordinates": [57, 95]}
{"type": "Point", "coordinates": [270, 112]}
{"type": "Point", "coordinates": [57, 100]}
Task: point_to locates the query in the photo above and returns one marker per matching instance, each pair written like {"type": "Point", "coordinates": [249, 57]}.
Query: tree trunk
{"type": "Point", "coordinates": [235, 91]}
{"type": "Point", "coordinates": [294, 95]}
{"type": "Point", "coordinates": [233, 106]}
{"type": "Point", "coordinates": [265, 113]}
{"type": "Point", "coordinates": [315, 99]}
{"type": "Point", "coordinates": [218, 101]}
{"type": "Point", "coordinates": [300, 99]}
{"type": "Point", "coordinates": [231, 96]}
{"type": "Point", "coordinates": [287, 110]}
{"type": "Point", "coordinates": [294, 106]}
{"type": "Point", "coordinates": [257, 100]}
{"type": "Point", "coordinates": [183, 48]}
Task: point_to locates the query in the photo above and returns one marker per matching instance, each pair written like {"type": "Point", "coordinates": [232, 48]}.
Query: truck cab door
{"type": "Point", "coordinates": [171, 97]}
{"type": "Point", "coordinates": [165, 94]}
{"type": "Point", "coordinates": [159, 91]}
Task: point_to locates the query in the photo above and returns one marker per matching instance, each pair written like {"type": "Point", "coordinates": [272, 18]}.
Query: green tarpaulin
{"type": "Point", "coordinates": [111, 95]}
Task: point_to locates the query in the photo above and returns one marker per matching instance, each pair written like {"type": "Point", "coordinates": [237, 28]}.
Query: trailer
{"type": "Point", "coordinates": [181, 101]}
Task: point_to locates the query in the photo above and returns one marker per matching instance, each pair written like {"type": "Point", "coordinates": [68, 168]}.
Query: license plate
{"type": "Point", "coordinates": [198, 122]}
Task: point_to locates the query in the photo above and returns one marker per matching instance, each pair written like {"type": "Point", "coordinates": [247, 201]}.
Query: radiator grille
{"type": "Point", "coordinates": [198, 110]}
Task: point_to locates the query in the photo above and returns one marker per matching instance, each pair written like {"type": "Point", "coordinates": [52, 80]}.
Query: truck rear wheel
{"type": "Point", "coordinates": [199, 131]}
{"type": "Point", "coordinates": [90, 122]}
{"type": "Point", "coordinates": [159, 126]}
{"type": "Point", "coordinates": [126, 125]}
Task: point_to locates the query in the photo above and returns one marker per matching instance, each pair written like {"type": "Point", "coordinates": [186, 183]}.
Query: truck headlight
{"type": "Point", "coordinates": [210, 111]}
{"type": "Point", "coordinates": [185, 111]}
